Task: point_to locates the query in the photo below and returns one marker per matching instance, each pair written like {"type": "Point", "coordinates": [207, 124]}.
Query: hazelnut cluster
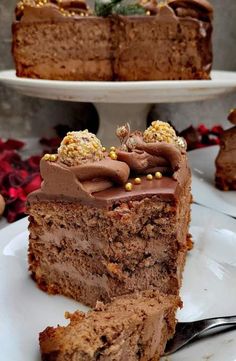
{"type": "Point", "coordinates": [79, 148]}
{"type": "Point", "coordinates": [162, 132]}
{"type": "Point", "coordinates": [159, 132]}
{"type": "Point", "coordinates": [39, 3]}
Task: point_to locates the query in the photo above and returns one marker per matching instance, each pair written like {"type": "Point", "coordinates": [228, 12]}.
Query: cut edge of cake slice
{"type": "Point", "coordinates": [132, 327]}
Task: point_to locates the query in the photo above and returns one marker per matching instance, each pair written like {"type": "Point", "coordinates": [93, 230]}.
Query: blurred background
{"type": "Point", "coordinates": [22, 116]}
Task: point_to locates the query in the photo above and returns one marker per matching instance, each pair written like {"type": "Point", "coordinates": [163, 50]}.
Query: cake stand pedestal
{"type": "Point", "coordinates": [121, 102]}
{"type": "Point", "coordinates": [113, 115]}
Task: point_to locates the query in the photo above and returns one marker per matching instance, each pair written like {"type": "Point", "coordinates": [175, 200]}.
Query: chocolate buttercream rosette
{"type": "Point", "coordinates": [81, 167]}
{"type": "Point", "coordinates": [157, 149]}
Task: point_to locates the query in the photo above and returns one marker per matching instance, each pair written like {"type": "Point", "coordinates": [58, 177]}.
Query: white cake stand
{"type": "Point", "coordinates": [120, 102]}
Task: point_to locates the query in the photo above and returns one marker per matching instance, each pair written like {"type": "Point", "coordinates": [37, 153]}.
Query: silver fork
{"type": "Point", "coordinates": [188, 331]}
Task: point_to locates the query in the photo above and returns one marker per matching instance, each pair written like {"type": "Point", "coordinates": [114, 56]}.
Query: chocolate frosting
{"type": "Point", "coordinates": [200, 4]}
{"type": "Point", "coordinates": [143, 158]}
{"type": "Point", "coordinates": [200, 9]}
{"type": "Point", "coordinates": [81, 181]}
{"type": "Point", "coordinates": [101, 183]}
{"type": "Point", "coordinates": [29, 12]}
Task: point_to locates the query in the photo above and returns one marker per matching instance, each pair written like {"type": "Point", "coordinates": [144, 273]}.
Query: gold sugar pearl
{"type": "Point", "coordinates": [46, 156]}
{"type": "Point", "coordinates": [113, 149]}
{"type": "Point", "coordinates": [113, 155]}
{"type": "Point", "coordinates": [137, 181]}
{"type": "Point", "coordinates": [104, 149]}
{"type": "Point", "coordinates": [158, 175]}
{"type": "Point", "coordinates": [149, 177]}
{"type": "Point", "coordinates": [128, 187]}
{"type": "Point", "coordinates": [53, 158]}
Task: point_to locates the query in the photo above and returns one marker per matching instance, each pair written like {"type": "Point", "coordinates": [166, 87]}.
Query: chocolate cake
{"type": "Point", "coordinates": [104, 223]}
{"type": "Point", "coordinates": [130, 328]}
{"type": "Point", "coordinates": [225, 178]}
{"type": "Point", "coordinates": [64, 40]}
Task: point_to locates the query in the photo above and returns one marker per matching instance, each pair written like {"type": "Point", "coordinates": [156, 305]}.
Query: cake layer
{"type": "Point", "coordinates": [60, 49]}
{"type": "Point", "coordinates": [171, 43]}
{"type": "Point", "coordinates": [88, 283]}
{"type": "Point", "coordinates": [130, 328]}
{"type": "Point", "coordinates": [151, 49]}
{"type": "Point", "coordinates": [95, 254]}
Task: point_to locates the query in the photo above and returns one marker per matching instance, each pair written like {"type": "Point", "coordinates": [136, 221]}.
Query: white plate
{"type": "Point", "coordinates": [208, 290]}
{"type": "Point", "coordinates": [123, 92]}
{"type": "Point", "coordinates": [202, 162]}
{"type": "Point", "coordinates": [3, 223]}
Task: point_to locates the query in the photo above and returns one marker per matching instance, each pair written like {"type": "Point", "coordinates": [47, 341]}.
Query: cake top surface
{"type": "Point", "coordinates": [38, 10]}
{"type": "Point", "coordinates": [109, 324]}
{"type": "Point", "coordinates": [146, 163]}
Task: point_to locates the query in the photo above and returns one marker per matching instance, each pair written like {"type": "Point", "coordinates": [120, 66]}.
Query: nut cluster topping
{"type": "Point", "coordinates": [159, 132]}
{"type": "Point", "coordinates": [79, 7]}
{"type": "Point", "coordinates": [162, 132]}
{"type": "Point", "coordinates": [79, 148]}
{"type": "Point", "coordinates": [37, 3]}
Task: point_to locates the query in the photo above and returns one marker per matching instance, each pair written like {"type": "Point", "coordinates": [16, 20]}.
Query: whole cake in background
{"type": "Point", "coordinates": [225, 177]}
{"type": "Point", "coordinates": [118, 40]}
{"type": "Point", "coordinates": [111, 222]}
{"type": "Point", "coordinates": [131, 328]}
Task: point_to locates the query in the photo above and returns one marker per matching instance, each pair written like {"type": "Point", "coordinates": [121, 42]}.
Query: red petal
{"type": "Point", "coordinates": [33, 162]}
{"type": "Point", "coordinates": [17, 193]}
{"type": "Point", "coordinates": [5, 167]}
{"type": "Point", "coordinates": [203, 130]}
{"type": "Point", "coordinates": [51, 142]}
{"type": "Point", "coordinates": [33, 185]}
{"type": "Point", "coordinates": [217, 130]}
{"type": "Point", "coordinates": [12, 144]}
{"type": "Point", "coordinates": [15, 211]}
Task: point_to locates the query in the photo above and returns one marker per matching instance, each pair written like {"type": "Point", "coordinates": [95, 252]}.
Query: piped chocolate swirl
{"type": "Point", "coordinates": [157, 149]}
{"type": "Point", "coordinates": [85, 171]}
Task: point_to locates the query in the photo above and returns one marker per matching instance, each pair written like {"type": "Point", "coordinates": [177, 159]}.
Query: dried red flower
{"type": "Point", "coordinates": [18, 178]}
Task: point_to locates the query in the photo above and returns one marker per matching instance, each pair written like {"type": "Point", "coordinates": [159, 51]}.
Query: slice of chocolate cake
{"type": "Point", "coordinates": [225, 177]}
{"type": "Point", "coordinates": [130, 328]}
{"type": "Point", "coordinates": [105, 224]}
{"type": "Point", "coordinates": [64, 40]}
{"type": "Point", "coordinates": [173, 43]}
{"type": "Point", "coordinates": [61, 41]}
